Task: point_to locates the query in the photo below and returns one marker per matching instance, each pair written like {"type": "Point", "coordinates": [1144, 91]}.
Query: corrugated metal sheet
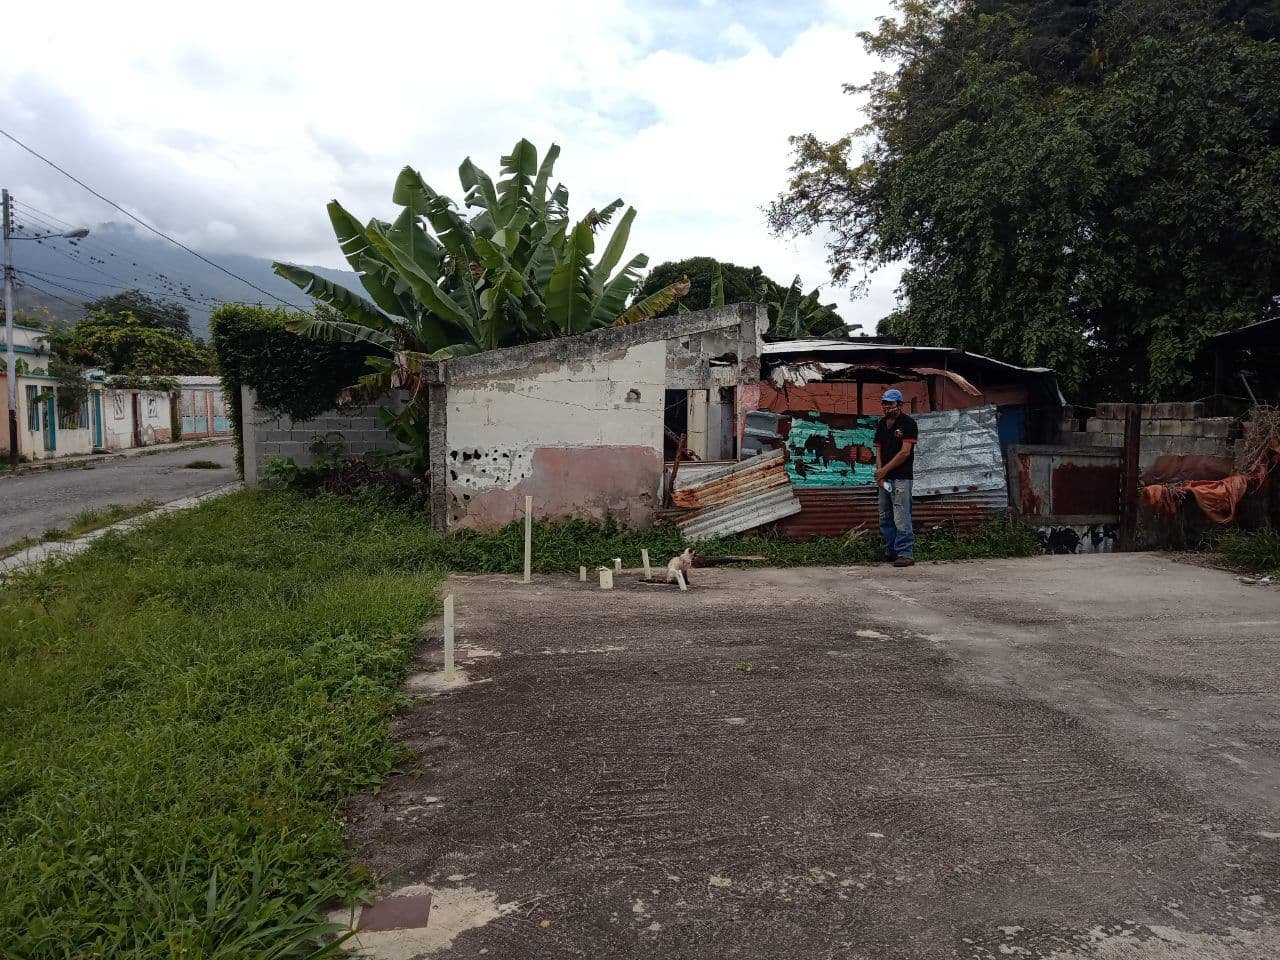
{"type": "Point", "coordinates": [834, 512]}
{"type": "Point", "coordinates": [735, 498]}
{"type": "Point", "coordinates": [959, 452]}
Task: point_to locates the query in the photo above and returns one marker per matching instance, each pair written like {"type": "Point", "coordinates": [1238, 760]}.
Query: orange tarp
{"type": "Point", "coordinates": [1217, 499]}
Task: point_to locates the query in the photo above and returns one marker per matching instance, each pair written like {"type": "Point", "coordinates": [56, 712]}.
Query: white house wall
{"type": "Point", "coordinates": [583, 438]}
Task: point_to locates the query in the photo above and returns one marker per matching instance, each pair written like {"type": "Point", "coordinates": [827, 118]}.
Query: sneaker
{"type": "Point", "coordinates": [888, 558]}
{"type": "Point", "coordinates": [904, 562]}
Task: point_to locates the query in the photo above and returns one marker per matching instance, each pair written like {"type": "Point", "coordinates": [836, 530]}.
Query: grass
{"type": "Point", "coordinates": [185, 706]}
{"type": "Point", "coordinates": [563, 547]}
{"type": "Point", "coordinates": [204, 465]}
{"type": "Point", "coordinates": [82, 523]}
{"type": "Point", "coordinates": [1257, 552]}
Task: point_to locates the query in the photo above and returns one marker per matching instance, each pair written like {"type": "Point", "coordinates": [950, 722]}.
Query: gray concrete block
{"type": "Point", "coordinates": [1112, 411]}
{"type": "Point", "coordinates": [1211, 447]}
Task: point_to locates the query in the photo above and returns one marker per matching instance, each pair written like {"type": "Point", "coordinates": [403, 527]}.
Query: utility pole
{"type": "Point", "coordinates": [11, 370]}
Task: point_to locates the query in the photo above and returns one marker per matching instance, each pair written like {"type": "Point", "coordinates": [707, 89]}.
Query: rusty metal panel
{"type": "Point", "coordinates": [833, 512]}
{"type": "Point", "coordinates": [736, 497]}
{"type": "Point", "coordinates": [1065, 485]}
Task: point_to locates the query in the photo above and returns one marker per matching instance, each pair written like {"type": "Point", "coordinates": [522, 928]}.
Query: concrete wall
{"type": "Point", "coordinates": [583, 439]}
{"type": "Point", "coordinates": [117, 419]}
{"type": "Point", "coordinates": [577, 423]}
{"type": "Point", "coordinates": [153, 411]}
{"type": "Point", "coordinates": [1168, 429]}
{"type": "Point", "coordinates": [31, 443]}
{"type": "Point", "coordinates": [269, 435]}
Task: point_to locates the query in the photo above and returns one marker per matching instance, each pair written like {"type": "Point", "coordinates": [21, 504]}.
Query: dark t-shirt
{"type": "Point", "coordinates": [890, 442]}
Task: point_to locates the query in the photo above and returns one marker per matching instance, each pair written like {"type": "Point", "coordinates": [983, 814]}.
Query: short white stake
{"type": "Point", "coordinates": [606, 578]}
{"type": "Point", "coordinates": [680, 580]}
{"type": "Point", "coordinates": [644, 555]}
{"type": "Point", "coordinates": [448, 637]}
{"type": "Point", "coordinates": [582, 574]}
{"type": "Point", "coordinates": [528, 539]}
{"type": "Point", "coordinates": [617, 564]}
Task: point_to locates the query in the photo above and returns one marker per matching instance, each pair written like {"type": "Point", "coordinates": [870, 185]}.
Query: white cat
{"type": "Point", "coordinates": [682, 563]}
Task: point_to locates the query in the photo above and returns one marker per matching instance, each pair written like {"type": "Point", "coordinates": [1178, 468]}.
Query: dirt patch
{"type": "Point", "coordinates": [843, 763]}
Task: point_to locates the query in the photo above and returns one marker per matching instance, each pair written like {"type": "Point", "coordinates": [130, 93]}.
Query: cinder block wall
{"type": "Point", "coordinates": [273, 435]}
{"type": "Point", "coordinates": [1179, 429]}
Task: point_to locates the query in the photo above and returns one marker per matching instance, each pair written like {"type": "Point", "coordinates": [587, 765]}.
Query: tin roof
{"type": "Point", "coordinates": [784, 348]}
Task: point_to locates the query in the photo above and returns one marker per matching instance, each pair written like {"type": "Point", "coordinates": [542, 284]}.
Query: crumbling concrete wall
{"type": "Point", "coordinates": [577, 423]}
{"type": "Point", "coordinates": [583, 438]}
{"type": "Point", "coordinates": [1168, 429]}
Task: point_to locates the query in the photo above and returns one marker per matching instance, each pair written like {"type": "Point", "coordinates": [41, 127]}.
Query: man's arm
{"type": "Point", "coordinates": [898, 460]}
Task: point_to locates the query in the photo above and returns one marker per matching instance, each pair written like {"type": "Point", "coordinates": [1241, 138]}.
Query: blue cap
{"type": "Point", "coordinates": [892, 396]}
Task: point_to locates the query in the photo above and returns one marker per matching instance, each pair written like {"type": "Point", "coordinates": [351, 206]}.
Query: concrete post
{"type": "Point", "coordinates": [448, 637]}
{"type": "Point", "coordinates": [528, 539]}
{"type": "Point", "coordinates": [644, 557]}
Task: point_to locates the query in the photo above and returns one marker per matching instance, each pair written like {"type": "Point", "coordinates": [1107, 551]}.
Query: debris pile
{"type": "Point", "coordinates": [1218, 499]}
{"type": "Point", "coordinates": [738, 497]}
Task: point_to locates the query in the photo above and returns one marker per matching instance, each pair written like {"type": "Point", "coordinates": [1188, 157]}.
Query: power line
{"type": "Point", "coordinates": [60, 286]}
{"type": "Point", "coordinates": [53, 277]}
{"type": "Point", "coordinates": [49, 293]}
{"type": "Point", "coordinates": [134, 284]}
{"type": "Point", "coordinates": [143, 223]}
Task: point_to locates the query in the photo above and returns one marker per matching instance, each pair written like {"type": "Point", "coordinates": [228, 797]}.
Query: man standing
{"type": "Point", "coordinates": [896, 435]}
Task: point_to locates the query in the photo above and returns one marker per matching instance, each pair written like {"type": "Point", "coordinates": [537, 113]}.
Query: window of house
{"type": "Point", "coordinates": [33, 409]}
{"type": "Point", "coordinates": [68, 412]}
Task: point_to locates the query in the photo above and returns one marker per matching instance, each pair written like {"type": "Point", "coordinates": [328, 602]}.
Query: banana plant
{"type": "Point", "coordinates": [440, 282]}
{"type": "Point", "coordinates": [797, 314]}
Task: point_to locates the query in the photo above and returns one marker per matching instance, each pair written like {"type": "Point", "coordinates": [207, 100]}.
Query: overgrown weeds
{"type": "Point", "coordinates": [1258, 551]}
{"type": "Point", "coordinates": [204, 465]}
{"type": "Point", "coordinates": [183, 708]}
{"type": "Point", "coordinates": [84, 522]}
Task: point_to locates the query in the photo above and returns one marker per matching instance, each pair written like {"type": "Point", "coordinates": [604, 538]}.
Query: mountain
{"type": "Point", "coordinates": [58, 276]}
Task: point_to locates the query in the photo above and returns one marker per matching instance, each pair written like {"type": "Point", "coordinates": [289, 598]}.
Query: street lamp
{"type": "Point", "coordinates": [11, 370]}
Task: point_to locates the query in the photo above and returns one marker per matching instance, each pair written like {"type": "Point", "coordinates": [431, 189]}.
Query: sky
{"type": "Point", "coordinates": [232, 128]}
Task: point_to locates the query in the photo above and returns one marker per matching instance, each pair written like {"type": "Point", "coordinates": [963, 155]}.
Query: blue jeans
{"type": "Point", "coordinates": [895, 518]}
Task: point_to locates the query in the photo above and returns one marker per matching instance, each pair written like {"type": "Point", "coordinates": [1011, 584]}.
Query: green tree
{"type": "Point", "coordinates": [122, 344]}
{"type": "Point", "coordinates": [740, 284]}
{"type": "Point", "coordinates": [713, 283]}
{"type": "Point", "coordinates": [149, 311]}
{"type": "Point", "coordinates": [1090, 186]}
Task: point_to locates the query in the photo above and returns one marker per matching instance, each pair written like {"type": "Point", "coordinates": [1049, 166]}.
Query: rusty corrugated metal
{"type": "Point", "coordinates": [1065, 485]}
{"type": "Point", "coordinates": [729, 482]}
{"type": "Point", "coordinates": [833, 511]}
{"type": "Point", "coordinates": [735, 498]}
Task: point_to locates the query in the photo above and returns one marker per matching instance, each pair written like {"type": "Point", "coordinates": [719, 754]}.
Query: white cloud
{"type": "Point", "coordinates": [235, 127]}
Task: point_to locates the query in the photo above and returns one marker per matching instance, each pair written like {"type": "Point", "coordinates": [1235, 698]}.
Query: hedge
{"type": "Point", "coordinates": [292, 375]}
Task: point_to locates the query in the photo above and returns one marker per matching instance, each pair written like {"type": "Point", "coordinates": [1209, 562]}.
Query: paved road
{"type": "Point", "coordinates": [34, 502]}
{"type": "Point", "coordinates": [1066, 758]}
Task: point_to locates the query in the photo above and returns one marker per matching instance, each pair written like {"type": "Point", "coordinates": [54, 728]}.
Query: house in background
{"type": "Point", "coordinates": [48, 424]}
{"type": "Point", "coordinates": [203, 408]}
{"type": "Point", "coordinates": [51, 424]}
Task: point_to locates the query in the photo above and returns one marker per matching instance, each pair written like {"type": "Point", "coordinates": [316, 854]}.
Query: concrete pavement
{"type": "Point", "coordinates": [1068, 758]}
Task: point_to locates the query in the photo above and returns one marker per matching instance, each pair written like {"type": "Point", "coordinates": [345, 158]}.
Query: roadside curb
{"type": "Point", "coordinates": [58, 549]}
{"type": "Point", "coordinates": [80, 463]}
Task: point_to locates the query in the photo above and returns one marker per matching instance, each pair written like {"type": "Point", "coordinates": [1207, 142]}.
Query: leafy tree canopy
{"type": "Point", "coordinates": [1091, 186]}
{"type": "Point", "coordinates": [122, 344]}
{"type": "Point", "coordinates": [147, 310]}
{"type": "Point", "coordinates": [713, 283]}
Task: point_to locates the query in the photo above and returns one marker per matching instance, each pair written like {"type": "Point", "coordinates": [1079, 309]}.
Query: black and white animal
{"type": "Point", "coordinates": [682, 563]}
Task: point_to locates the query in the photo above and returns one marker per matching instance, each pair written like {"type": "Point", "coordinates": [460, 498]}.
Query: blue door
{"type": "Point", "coordinates": [97, 420]}
{"type": "Point", "coordinates": [50, 425]}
